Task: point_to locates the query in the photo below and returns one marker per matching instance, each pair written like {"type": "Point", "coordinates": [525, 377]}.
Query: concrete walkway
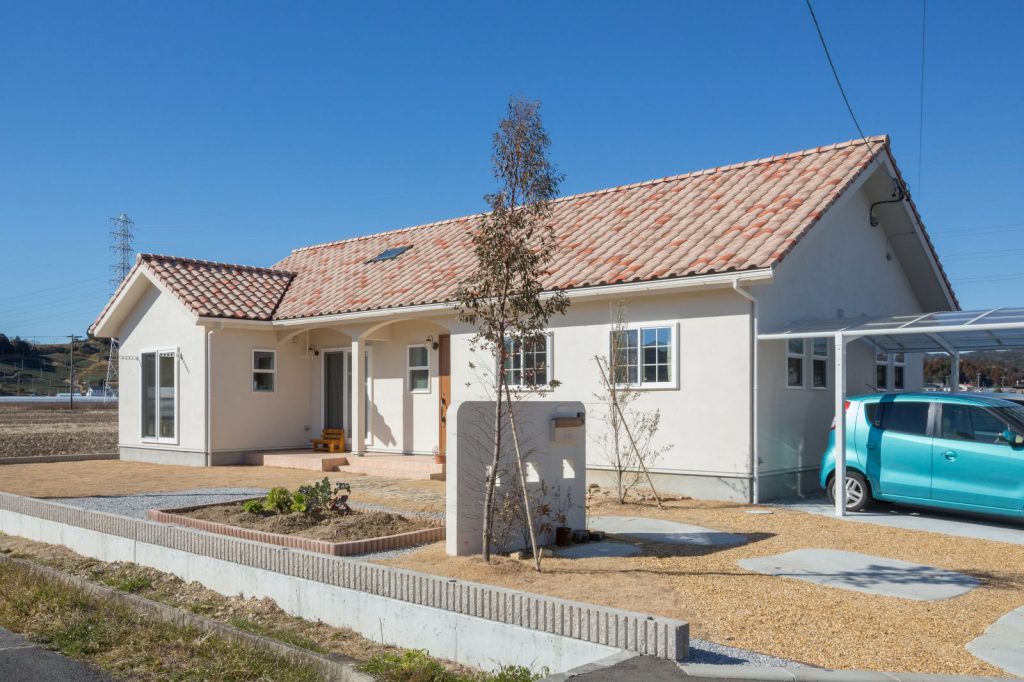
{"type": "Point", "coordinates": [913, 518]}
{"type": "Point", "coordinates": [1002, 645]}
{"type": "Point", "coordinates": [864, 573]}
{"type": "Point", "coordinates": [659, 530]}
{"type": "Point", "coordinates": [25, 661]}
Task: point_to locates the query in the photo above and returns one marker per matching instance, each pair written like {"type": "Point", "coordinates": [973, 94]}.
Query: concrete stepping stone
{"type": "Point", "coordinates": [597, 550]}
{"type": "Point", "coordinates": [1001, 643]}
{"type": "Point", "coordinates": [864, 573]}
{"type": "Point", "coordinates": [659, 530]}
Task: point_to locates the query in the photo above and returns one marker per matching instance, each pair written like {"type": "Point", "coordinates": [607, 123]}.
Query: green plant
{"type": "Point", "coordinates": [131, 583]}
{"type": "Point", "coordinates": [414, 665]}
{"type": "Point", "coordinates": [320, 497]}
{"type": "Point", "coordinates": [253, 506]}
{"type": "Point", "coordinates": [518, 673]}
{"type": "Point", "coordinates": [300, 503]}
{"type": "Point", "coordinates": [278, 500]}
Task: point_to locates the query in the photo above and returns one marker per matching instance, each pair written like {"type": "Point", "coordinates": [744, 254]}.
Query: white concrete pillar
{"type": "Point", "coordinates": [358, 379]}
{"type": "Point", "coordinates": [840, 430]}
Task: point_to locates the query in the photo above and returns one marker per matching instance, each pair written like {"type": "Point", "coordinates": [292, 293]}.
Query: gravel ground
{"type": "Point", "coordinates": [704, 651]}
{"type": "Point", "coordinates": [137, 504]}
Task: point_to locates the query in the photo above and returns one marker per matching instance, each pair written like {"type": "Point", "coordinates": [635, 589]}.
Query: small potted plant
{"type": "Point", "coordinates": [438, 457]}
{"type": "Point", "coordinates": [563, 533]}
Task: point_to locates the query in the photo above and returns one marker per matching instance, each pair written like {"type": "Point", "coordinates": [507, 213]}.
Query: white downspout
{"type": "Point", "coordinates": [755, 460]}
{"type": "Point", "coordinates": [209, 391]}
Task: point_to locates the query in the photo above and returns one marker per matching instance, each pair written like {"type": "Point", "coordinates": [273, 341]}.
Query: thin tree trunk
{"type": "Point", "coordinates": [522, 481]}
{"type": "Point", "coordinates": [492, 476]}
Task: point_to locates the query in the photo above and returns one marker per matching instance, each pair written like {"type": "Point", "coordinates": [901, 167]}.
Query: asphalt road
{"type": "Point", "coordinates": [25, 661]}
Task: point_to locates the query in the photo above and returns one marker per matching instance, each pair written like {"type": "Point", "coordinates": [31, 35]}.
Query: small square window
{"type": "Point", "coordinates": [419, 369]}
{"type": "Point", "coordinates": [795, 349]}
{"type": "Point", "coordinates": [264, 371]}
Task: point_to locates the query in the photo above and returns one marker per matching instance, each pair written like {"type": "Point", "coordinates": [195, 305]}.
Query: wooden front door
{"type": "Point", "coordinates": [444, 375]}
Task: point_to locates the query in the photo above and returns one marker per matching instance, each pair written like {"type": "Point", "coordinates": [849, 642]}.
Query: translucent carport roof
{"type": "Point", "coordinates": [947, 331]}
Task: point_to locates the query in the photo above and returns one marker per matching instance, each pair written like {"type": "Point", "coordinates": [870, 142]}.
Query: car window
{"type": "Point", "coordinates": [905, 417]}
{"type": "Point", "coordinates": [971, 423]}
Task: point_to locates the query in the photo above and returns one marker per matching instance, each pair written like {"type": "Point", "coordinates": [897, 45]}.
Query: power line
{"type": "Point", "coordinates": [835, 72]}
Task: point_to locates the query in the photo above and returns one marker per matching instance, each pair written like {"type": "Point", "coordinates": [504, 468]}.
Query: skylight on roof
{"type": "Point", "coordinates": [390, 254]}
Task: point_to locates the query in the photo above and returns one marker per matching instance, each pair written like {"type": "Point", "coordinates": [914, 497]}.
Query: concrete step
{"type": "Point", "coordinates": [311, 461]}
{"type": "Point", "coordinates": [420, 468]}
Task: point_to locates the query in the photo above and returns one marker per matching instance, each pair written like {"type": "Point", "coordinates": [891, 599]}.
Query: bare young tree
{"type": "Point", "coordinates": [502, 296]}
{"type": "Point", "coordinates": [628, 440]}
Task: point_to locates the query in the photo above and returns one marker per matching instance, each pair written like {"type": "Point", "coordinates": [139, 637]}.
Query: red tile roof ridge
{"type": "Point", "coordinates": [146, 257]}
{"type": "Point", "coordinates": [883, 139]}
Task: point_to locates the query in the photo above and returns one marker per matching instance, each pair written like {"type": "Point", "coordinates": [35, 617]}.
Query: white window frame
{"type": "Point", "coordinates": [819, 357]}
{"type": "Point", "coordinates": [253, 371]}
{"type": "Point", "coordinates": [156, 379]}
{"type": "Point", "coordinates": [673, 364]}
{"type": "Point", "coordinates": [888, 374]}
{"type": "Point", "coordinates": [802, 356]}
{"type": "Point", "coordinates": [894, 363]}
{"type": "Point", "coordinates": [410, 367]}
{"type": "Point", "coordinates": [549, 349]}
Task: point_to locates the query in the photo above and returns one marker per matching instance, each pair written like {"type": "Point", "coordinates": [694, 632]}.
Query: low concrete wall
{"type": "Point", "coordinates": [471, 623]}
{"type": "Point", "coordinates": [49, 459]}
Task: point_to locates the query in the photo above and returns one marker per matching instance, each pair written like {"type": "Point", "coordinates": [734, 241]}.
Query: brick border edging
{"type": "Point", "coordinates": [628, 630]}
{"type": "Point", "coordinates": [347, 548]}
{"type": "Point", "coordinates": [337, 668]}
{"type": "Point", "coordinates": [50, 459]}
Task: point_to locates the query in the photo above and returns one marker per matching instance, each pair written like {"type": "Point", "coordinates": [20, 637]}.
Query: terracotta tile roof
{"type": "Point", "coordinates": [212, 289]}
{"type": "Point", "coordinates": [727, 219]}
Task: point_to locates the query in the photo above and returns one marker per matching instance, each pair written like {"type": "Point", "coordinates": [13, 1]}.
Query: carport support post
{"type": "Point", "coordinates": [358, 379]}
{"type": "Point", "coordinates": [954, 373]}
{"type": "Point", "coordinates": [839, 356]}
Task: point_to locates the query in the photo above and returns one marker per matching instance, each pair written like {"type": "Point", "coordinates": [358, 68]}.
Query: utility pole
{"type": "Point", "coordinates": [71, 375]}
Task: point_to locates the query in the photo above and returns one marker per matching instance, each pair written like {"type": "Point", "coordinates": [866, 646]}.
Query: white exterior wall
{"type": "Point", "coordinates": [159, 321]}
{"type": "Point", "coordinates": [839, 268]}
{"type": "Point", "coordinates": [705, 420]}
{"type": "Point", "coordinates": [245, 420]}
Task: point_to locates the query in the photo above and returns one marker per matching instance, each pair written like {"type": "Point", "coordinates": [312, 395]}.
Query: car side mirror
{"type": "Point", "coordinates": [1014, 439]}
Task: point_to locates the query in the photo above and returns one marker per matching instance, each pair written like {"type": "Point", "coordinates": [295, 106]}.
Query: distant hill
{"type": "Point", "coordinates": [42, 369]}
{"type": "Point", "coordinates": [1004, 368]}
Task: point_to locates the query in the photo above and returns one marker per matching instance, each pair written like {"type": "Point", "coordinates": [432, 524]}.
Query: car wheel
{"type": "Point", "coordinates": [858, 491]}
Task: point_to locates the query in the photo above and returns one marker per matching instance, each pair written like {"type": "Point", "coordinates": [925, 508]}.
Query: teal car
{"type": "Point", "coordinates": [957, 451]}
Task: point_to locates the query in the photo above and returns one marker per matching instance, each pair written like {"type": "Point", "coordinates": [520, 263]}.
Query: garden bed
{"type": "Point", "coordinates": [359, 532]}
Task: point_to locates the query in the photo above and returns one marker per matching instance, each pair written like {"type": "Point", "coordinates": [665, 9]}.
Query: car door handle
{"type": "Point", "coordinates": [949, 455]}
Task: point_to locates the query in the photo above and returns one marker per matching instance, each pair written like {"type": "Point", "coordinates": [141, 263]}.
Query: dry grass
{"type": "Point", "coordinates": [789, 618]}
{"type": "Point", "coordinates": [31, 430]}
{"type": "Point", "coordinates": [114, 477]}
{"type": "Point", "coordinates": [262, 616]}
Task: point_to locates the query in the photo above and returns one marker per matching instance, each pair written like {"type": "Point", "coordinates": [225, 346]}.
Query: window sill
{"type": "Point", "coordinates": [647, 387]}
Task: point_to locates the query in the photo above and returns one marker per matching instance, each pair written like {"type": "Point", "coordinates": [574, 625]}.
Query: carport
{"type": "Point", "coordinates": [950, 332]}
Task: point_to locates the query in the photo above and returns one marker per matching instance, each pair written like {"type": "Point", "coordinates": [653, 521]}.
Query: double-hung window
{"type": "Point", "coordinates": [643, 356]}
{"type": "Point", "coordinates": [528, 361]}
{"type": "Point", "coordinates": [882, 371]}
{"type": "Point", "coordinates": [819, 363]}
{"type": "Point", "coordinates": [160, 395]}
{"type": "Point", "coordinates": [264, 371]}
{"type": "Point", "coordinates": [419, 369]}
{"type": "Point", "coordinates": [899, 368]}
{"type": "Point", "coordinates": [795, 353]}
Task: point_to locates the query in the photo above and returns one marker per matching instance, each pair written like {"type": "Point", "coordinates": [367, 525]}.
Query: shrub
{"type": "Point", "coordinates": [320, 497]}
{"type": "Point", "coordinates": [278, 500]}
{"type": "Point", "coordinates": [253, 506]}
{"type": "Point", "coordinates": [300, 503]}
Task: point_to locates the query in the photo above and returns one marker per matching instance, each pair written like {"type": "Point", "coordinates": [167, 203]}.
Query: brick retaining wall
{"type": "Point", "coordinates": [645, 634]}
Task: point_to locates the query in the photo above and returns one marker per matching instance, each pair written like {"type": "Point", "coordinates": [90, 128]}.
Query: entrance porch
{"type": "Point", "coordinates": [386, 465]}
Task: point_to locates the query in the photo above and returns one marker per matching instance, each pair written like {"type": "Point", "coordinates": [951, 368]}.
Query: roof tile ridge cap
{"type": "Point", "coordinates": [400, 230]}
{"type": "Point", "coordinates": [200, 261]}
{"type": "Point", "coordinates": [619, 188]}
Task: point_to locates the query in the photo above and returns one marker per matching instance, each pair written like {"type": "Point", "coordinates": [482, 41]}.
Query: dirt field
{"type": "Point", "coordinates": [28, 430]}
{"type": "Point", "coordinates": [114, 477]}
{"type": "Point", "coordinates": [788, 618]}
{"type": "Point", "coordinates": [330, 527]}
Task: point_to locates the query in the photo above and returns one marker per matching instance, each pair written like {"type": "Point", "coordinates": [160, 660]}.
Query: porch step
{"type": "Point", "coordinates": [312, 461]}
{"type": "Point", "coordinates": [416, 467]}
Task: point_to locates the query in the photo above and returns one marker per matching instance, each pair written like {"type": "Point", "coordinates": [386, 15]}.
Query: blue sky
{"type": "Point", "coordinates": [237, 131]}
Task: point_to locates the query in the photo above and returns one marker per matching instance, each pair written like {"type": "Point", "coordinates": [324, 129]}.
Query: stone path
{"type": "Point", "coordinates": [137, 504]}
{"type": "Point", "coordinates": [1001, 644]}
{"type": "Point", "coordinates": [659, 530]}
{"type": "Point", "coordinates": [864, 573]}
{"type": "Point", "coordinates": [596, 550]}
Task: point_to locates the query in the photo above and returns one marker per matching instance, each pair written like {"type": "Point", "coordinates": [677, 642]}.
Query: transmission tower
{"type": "Point", "coordinates": [121, 245]}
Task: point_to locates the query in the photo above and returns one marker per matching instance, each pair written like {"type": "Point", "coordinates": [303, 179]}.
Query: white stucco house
{"type": "Point", "coordinates": [219, 360]}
